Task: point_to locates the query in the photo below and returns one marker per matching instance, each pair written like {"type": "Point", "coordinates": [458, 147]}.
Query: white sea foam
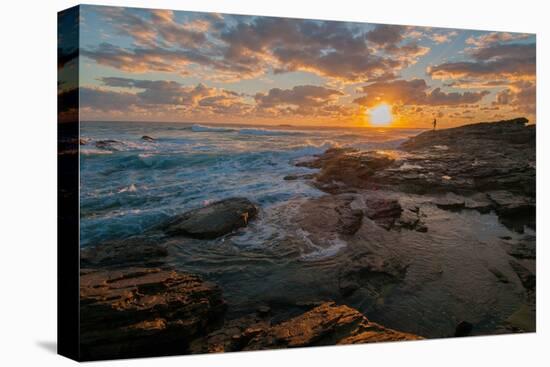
{"type": "Point", "coordinates": [268, 132]}
{"type": "Point", "coordinates": [320, 252]}
{"type": "Point", "coordinates": [205, 129]}
{"type": "Point", "coordinates": [242, 131]}
{"type": "Point", "coordinates": [95, 152]}
{"type": "Point", "coordinates": [130, 188]}
{"type": "Point", "coordinates": [408, 167]}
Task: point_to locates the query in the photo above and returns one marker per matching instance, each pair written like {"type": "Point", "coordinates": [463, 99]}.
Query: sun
{"type": "Point", "coordinates": [380, 115]}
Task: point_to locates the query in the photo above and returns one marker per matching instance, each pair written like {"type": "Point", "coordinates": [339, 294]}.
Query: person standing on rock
{"type": "Point", "coordinates": [434, 123]}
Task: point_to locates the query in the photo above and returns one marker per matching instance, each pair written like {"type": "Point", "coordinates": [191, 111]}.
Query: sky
{"type": "Point", "coordinates": [162, 65]}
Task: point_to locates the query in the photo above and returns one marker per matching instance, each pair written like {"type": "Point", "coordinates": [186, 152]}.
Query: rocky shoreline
{"type": "Point", "coordinates": [133, 304]}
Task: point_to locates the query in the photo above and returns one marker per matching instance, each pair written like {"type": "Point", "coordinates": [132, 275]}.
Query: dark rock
{"type": "Point", "coordinates": [522, 250]}
{"type": "Point", "coordinates": [411, 219]}
{"type": "Point", "coordinates": [508, 203]}
{"type": "Point", "coordinates": [467, 159]}
{"type": "Point", "coordinates": [348, 166]}
{"type": "Point", "coordinates": [234, 335]}
{"type": "Point", "coordinates": [464, 328]}
{"type": "Point", "coordinates": [147, 138]}
{"type": "Point", "coordinates": [213, 220]}
{"type": "Point", "coordinates": [131, 251]}
{"type": "Point", "coordinates": [264, 310]}
{"type": "Point", "coordinates": [326, 218]}
{"type": "Point", "coordinates": [329, 155]}
{"type": "Point", "coordinates": [383, 212]}
{"type": "Point", "coordinates": [370, 272]}
{"type": "Point", "coordinates": [328, 324]}
{"type": "Point", "coordinates": [450, 202]}
{"type": "Point", "coordinates": [514, 211]}
{"type": "Point", "coordinates": [463, 136]}
{"type": "Point", "coordinates": [351, 221]}
{"type": "Point", "coordinates": [139, 312]}
{"type": "Point", "coordinates": [106, 144]}
{"type": "Point", "coordinates": [421, 228]}
{"type": "Point", "coordinates": [325, 324]}
{"type": "Point", "coordinates": [498, 274]}
{"type": "Point", "coordinates": [307, 176]}
{"type": "Point", "coordinates": [528, 279]}
{"type": "Point", "coordinates": [479, 202]}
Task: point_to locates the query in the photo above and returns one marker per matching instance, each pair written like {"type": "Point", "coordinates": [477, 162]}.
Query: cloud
{"type": "Point", "coordinates": [152, 27]}
{"type": "Point", "coordinates": [304, 100]}
{"type": "Point", "coordinates": [439, 98]}
{"type": "Point", "coordinates": [105, 100]}
{"type": "Point", "coordinates": [160, 94]}
{"type": "Point", "coordinates": [248, 47]}
{"type": "Point", "coordinates": [414, 92]}
{"type": "Point", "coordinates": [520, 97]}
{"type": "Point", "coordinates": [442, 37]}
{"type": "Point", "coordinates": [392, 40]}
{"type": "Point", "coordinates": [140, 60]}
{"type": "Point", "coordinates": [495, 37]}
{"type": "Point", "coordinates": [232, 48]}
{"type": "Point", "coordinates": [515, 61]}
{"type": "Point", "coordinates": [143, 60]}
{"type": "Point", "coordinates": [330, 49]}
{"type": "Point", "coordinates": [124, 95]}
{"type": "Point", "coordinates": [185, 35]}
{"type": "Point", "coordinates": [435, 35]}
{"type": "Point", "coordinates": [509, 66]}
{"type": "Point", "coordinates": [386, 35]}
{"type": "Point", "coordinates": [127, 22]}
{"type": "Point", "coordinates": [513, 51]}
{"type": "Point", "coordinates": [301, 96]}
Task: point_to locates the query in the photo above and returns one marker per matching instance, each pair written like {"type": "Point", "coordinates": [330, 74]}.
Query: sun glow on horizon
{"type": "Point", "coordinates": [380, 115]}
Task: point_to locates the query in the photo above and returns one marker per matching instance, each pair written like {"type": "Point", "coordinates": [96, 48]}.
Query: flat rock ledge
{"type": "Point", "coordinates": [213, 220]}
{"type": "Point", "coordinates": [132, 251]}
{"type": "Point", "coordinates": [327, 324]}
{"type": "Point", "coordinates": [140, 312]}
{"type": "Point", "coordinates": [483, 166]}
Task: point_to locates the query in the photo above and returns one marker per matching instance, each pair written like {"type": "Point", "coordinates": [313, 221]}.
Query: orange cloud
{"type": "Point", "coordinates": [414, 92]}
{"type": "Point", "coordinates": [515, 61]}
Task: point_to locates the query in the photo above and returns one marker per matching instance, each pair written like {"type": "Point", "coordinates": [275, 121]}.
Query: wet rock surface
{"type": "Point", "coordinates": [144, 311]}
{"type": "Point", "coordinates": [526, 277]}
{"type": "Point", "coordinates": [327, 324]}
{"type": "Point", "coordinates": [345, 168]}
{"type": "Point", "coordinates": [477, 157]}
{"type": "Point", "coordinates": [142, 250]}
{"type": "Point", "coordinates": [107, 144]}
{"type": "Point", "coordinates": [488, 168]}
{"type": "Point", "coordinates": [325, 218]}
{"type": "Point", "coordinates": [306, 176]}
{"type": "Point", "coordinates": [138, 312]}
{"type": "Point", "coordinates": [347, 222]}
{"type": "Point", "coordinates": [213, 220]}
{"type": "Point", "coordinates": [484, 166]}
{"type": "Point", "coordinates": [383, 211]}
{"type": "Point", "coordinates": [147, 138]}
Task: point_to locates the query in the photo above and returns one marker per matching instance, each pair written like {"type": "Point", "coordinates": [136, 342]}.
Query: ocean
{"type": "Point", "coordinates": [134, 184]}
